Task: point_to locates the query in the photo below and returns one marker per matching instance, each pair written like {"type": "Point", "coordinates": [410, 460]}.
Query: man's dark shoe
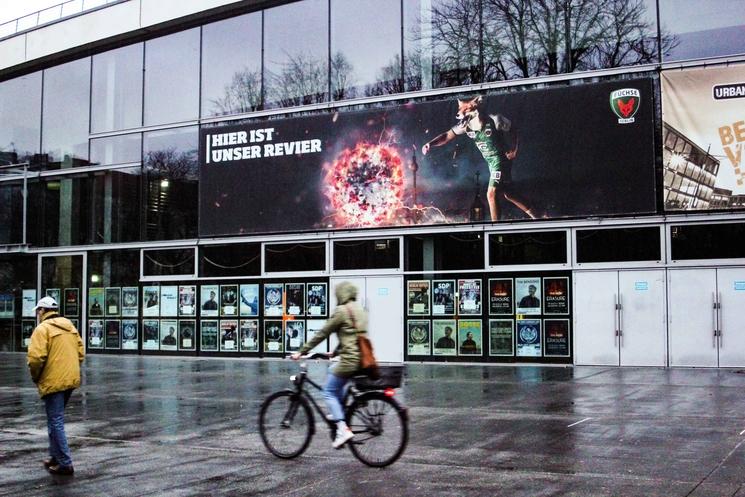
{"type": "Point", "coordinates": [58, 469]}
{"type": "Point", "coordinates": [50, 462]}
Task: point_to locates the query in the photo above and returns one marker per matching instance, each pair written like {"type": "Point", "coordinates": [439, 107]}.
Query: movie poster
{"type": "Point", "coordinates": [313, 326]}
{"type": "Point", "coordinates": [228, 300]}
{"type": "Point", "coordinates": [273, 335]}
{"type": "Point", "coordinates": [501, 337]}
{"type": "Point", "coordinates": [187, 300]}
{"type": "Point", "coordinates": [113, 301]}
{"type": "Point", "coordinates": [29, 302]}
{"type": "Point", "coordinates": [168, 337]}
{"type": "Point", "coordinates": [443, 298]}
{"type": "Point", "coordinates": [249, 341]}
{"type": "Point", "coordinates": [72, 302]}
{"type": "Point", "coordinates": [418, 336]}
{"type": "Point", "coordinates": [95, 333]}
{"type": "Point", "coordinates": [208, 301]}
{"type": "Point", "coordinates": [556, 295]}
{"type": "Point", "coordinates": [209, 336]}
{"type": "Point", "coordinates": [151, 301]}
{"type": "Point", "coordinates": [528, 338]}
{"type": "Point", "coordinates": [469, 337]}
{"type": "Point", "coordinates": [469, 297]}
{"type": "Point", "coordinates": [187, 334]}
{"type": "Point", "coordinates": [228, 335]}
{"type": "Point", "coordinates": [74, 322]}
{"type": "Point", "coordinates": [316, 299]}
{"type": "Point", "coordinates": [150, 333]}
{"type": "Point", "coordinates": [358, 166]}
{"type": "Point", "coordinates": [703, 137]}
{"type": "Point", "coordinates": [130, 296]}
{"type": "Point", "coordinates": [528, 295]}
{"type": "Point", "coordinates": [501, 296]}
{"type": "Point", "coordinates": [273, 296]}
{"type": "Point", "coordinates": [27, 329]}
{"type": "Point", "coordinates": [169, 301]}
{"type": "Point", "coordinates": [113, 333]}
{"type": "Point", "coordinates": [556, 342]}
{"type": "Point", "coordinates": [249, 305]}
{"type": "Point", "coordinates": [55, 294]}
{"type": "Point", "coordinates": [295, 299]}
{"type": "Point", "coordinates": [418, 296]}
{"type": "Point", "coordinates": [443, 337]}
{"type": "Point", "coordinates": [294, 335]}
{"type": "Point", "coordinates": [95, 302]}
{"type": "Point", "coordinates": [129, 334]}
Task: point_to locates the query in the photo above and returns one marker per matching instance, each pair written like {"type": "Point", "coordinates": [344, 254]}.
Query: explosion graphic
{"type": "Point", "coordinates": [365, 186]}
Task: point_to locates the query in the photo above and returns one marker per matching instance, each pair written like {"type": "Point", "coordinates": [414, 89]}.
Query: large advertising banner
{"type": "Point", "coordinates": [703, 138]}
{"type": "Point", "coordinates": [584, 150]}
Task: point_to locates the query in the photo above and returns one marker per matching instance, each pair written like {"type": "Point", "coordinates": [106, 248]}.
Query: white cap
{"type": "Point", "coordinates": [46, 303]}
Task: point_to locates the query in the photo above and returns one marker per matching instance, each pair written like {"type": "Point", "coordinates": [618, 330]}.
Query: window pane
{"type": "Point", "coordinates": [11, 213]}
{"type": "Point", "coordinates": [235, 259]}
{"type": "Point", "coordinates": [172, 78]}
{"type": "Point", "coordinates": [64, 130]}
{"type": "Point", "coordinates": [444, 252]}
{"type": "Point", "coordinates": [168, 262]}
{"type": "Point", "coordinates": [618, 245]}
{"type": "Point", "coordinates": [441, 43]}
{"type": "Point", "coordinates": [100, 207]}
{"type": "Point", "coordinates": [365, 48]}
{"type": "Point", "coordinates": [697, 29]}
{"type": "Point", "coordinates": [116, 95]}
{"type": "Point", "coordinates": [115, 268]}
{"type": "Point", "coordinates": [708, 241]}
{"type": "Point", "coordinates": [367, 254]}
{"type": "Point", "coordinates": [20, 118]}
{"type": "Point", "coordinates": [231, 55]}
{"type": "Point", "coordinates": [170, 162]}
{"type": "Point", "coordinates": [295, 257]}
{"type": "Point", "coordinates": [296, 53]}
{"type": "Point", "coordinates": [528, 248]}
{"type": "Point", "coordinates": [116, 149]}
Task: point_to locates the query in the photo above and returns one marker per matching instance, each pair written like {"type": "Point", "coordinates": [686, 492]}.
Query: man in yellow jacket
{"type": "Point", "coordinates": [54, 357]}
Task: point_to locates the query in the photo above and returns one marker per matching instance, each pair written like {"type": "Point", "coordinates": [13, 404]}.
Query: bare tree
{"type": "Point", "coordinates": [456, 30]}
{"type": "Point", "coordinates": [171, 164]}
{"type": "Point", "coordinates": [243, 94]}
{"type": "Point", "coordinates": [302, 80]}
{"type": "Point", "coordinates": [342, 82]}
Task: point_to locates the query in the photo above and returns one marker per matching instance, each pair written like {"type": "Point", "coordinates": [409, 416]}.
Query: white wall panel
{"type": "Point", "coordinates": [156, 11]}
{"type": "Point", "coordinates": [12, 51]}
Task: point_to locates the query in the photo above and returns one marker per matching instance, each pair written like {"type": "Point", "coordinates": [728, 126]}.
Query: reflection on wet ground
{"type": "Point", "coordinates": [167, 426]}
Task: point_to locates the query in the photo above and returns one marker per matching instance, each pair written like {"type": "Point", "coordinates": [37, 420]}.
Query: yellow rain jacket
{"type": "Point", "coordinates": [55, 354]}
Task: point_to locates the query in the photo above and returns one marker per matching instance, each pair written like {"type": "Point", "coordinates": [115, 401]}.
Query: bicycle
{"type": "Point", "coordinates": [378, 421]}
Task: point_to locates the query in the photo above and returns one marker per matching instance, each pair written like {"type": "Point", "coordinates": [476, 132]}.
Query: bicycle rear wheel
{"type": "Point", "coordinates": [286, 424]}
{"type": "Point", "coordinates": [380, 429]}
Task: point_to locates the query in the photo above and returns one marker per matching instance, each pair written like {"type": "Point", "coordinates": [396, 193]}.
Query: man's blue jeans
{"type": "Point", "coordinates": [55, 405]}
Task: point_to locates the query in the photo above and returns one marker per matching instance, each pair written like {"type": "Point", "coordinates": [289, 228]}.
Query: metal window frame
{"type": "Point", "coordinates": [698, 262]}
{"type": "Point", "coordinates": [367, 272]}
{"type": "Point", "coordinates": [173, 277]}
{"type": "Point", "coordinates": [567, 264]}
{"type": "Point", "coordinates": [620, 264]}
{"type": "Point", "coordinates": [295, 274]}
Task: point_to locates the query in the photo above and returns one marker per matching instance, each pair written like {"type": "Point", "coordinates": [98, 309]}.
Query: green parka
{"type": "Point", "coordinates": [54, 355]}
{"type": "Point", "coordinates": [341, 323]}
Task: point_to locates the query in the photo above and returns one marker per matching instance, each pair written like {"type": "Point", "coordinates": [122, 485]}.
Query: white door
{"type": "Point", "coordinates": [384, 299]}
{"type": "Point", "coordinates": [595, 327]}
{"type": "Point", "coordinates": [692, 317]}
{"type": "Point", "coordinates": [641, 321]}
{"type": "Point", "coordinates": [360, 284]}
{"type": "Point", "coordinates": [731, 298]}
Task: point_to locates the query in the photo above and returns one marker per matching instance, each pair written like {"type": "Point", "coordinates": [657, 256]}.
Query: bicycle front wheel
{"type": "Point", "coordinates": [286, 424]}
{"type": "Point", "coordinates": [380, 429]}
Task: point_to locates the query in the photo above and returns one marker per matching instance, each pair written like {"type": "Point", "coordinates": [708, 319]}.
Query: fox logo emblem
{"type": "Point", "coordinates": [625, 104]}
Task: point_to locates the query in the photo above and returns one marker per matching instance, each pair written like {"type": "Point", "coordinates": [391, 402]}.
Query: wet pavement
{"type": "Point", "coordinates": [167, 426]}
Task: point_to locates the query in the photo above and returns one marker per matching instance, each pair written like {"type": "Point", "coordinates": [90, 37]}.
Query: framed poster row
{"type": "Point", "coordinates": [28, 326]}
{"type": "Point", "coordinates": [223, 335]}
{"type": "Point", "coordinates": [506, 296]}
{"type": "Point", "coordinates": [504, 337]}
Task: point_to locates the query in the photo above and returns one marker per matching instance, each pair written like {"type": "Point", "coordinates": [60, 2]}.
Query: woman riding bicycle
{"type": "Point", "coordinates": [348, 319]}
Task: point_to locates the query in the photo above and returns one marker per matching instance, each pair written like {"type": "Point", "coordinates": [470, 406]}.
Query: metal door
{"type": "Point", "coordinates": [641, 318]}
{"type": "Point", "coordinates": [730, 301]}
{"type": "Point", "coordinates": [384, 303]}
{"type": "Point", "coordinates": [595, 318]}
{"type": "Point", "coordinates": [692, 317]}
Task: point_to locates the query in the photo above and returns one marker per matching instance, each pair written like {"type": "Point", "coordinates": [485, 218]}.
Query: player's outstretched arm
{"type": "Point", "coordinates": [438, 141]}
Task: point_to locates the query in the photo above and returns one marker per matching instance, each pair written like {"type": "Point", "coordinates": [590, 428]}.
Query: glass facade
{"type": "Point", "coordinates": [20, 118]}
{"type": "Point", "coordinates": [116, 89]}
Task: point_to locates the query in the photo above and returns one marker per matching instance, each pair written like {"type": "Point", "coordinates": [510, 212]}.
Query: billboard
{"type": "Point", "coordinates": [574, 151]}
{"type": "Point", "coordinates": [703, 138]}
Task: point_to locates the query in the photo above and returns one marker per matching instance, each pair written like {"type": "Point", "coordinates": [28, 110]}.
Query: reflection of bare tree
{"type": "Point", "coordinates": [302, 80]}
{"type": "Point", "coordinates": [342, 83]}
{"type": "Point", "coordinates": [456, 34]}
{"type": "Point", "coordinates": [243, 94]}
{"type": "Point", "coordinates": [171, 193]}
{"type": "Point", "coordinates": [171, 164]}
